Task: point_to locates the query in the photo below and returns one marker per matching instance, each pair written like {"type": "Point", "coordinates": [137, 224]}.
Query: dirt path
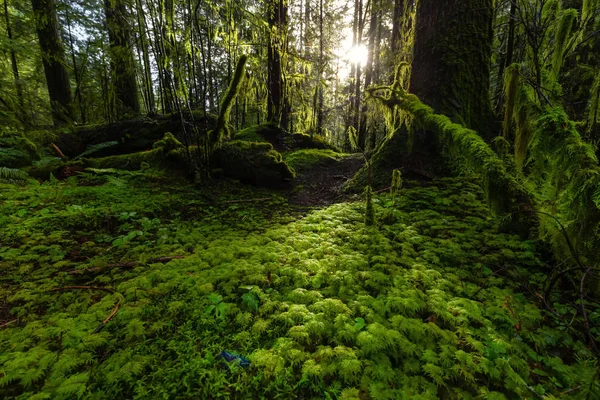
{"type": "Point", "coordinates": [321, 185]}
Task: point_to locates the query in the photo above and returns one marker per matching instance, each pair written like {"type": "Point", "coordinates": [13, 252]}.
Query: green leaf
{"type": "Point", "coordinates": [359, 323]}
{"type": "Point", "coordinates": [251, 300]}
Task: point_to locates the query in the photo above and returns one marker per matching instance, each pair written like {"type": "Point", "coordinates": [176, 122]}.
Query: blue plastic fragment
{"type": "Point", "coordinates": [229, 357]}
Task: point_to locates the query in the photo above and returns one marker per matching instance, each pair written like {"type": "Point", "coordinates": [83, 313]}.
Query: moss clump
{"type": "Point", "coordinates": [167, 143]}
{"type": "Point", "coordinates": [282, 140]}
{"type": "Point", "coordinates": [305, 159]}
{"type": "Point", "coordinates": [253, 163]}
{"type": "Point", "coordinates": [17, 151]}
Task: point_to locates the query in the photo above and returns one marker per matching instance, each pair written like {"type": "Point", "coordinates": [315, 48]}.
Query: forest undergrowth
{"type": "Point", "coordinates": [133, 285]}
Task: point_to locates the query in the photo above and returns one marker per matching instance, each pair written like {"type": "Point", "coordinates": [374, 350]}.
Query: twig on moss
{"type": "Point", "coordinates": [60, 289]}
{"type": "Point", "coordinates": [112, 314]}
{"type": "Point", "coordinates": [8, 323]}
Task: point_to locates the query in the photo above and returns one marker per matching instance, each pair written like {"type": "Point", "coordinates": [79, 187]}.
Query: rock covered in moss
{"type": "Point", "coordinates": [254, 163]}
{"type": "Point", "coordinates": [16, 150]}
{"type": "Point", "coordinates": [282, 140]}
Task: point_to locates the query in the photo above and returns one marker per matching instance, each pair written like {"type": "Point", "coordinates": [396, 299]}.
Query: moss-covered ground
{"type": "Point", "coordinates": [137, 285]}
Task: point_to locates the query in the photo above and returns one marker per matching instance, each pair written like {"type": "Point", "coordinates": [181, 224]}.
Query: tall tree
{"type": "Point", "coordinates": [277, 19]}
{"type": "Point", "coordinates": [451, 65]}
{"type": "Point", "coordinates": [122, 61]}
{"type": "Point", "coordinates": [13, 60]}
{"type": "Point", "coordinates": [53, 59]}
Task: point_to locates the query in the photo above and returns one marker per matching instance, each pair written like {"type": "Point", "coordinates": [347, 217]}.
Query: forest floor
{"type": "Point", "coordinates": [141, 285]}
{"type": "Point", "coordinates": [322, 185]}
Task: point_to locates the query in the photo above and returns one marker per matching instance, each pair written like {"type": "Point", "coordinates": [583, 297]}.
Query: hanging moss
{"type": "Point", "coordinates": [221, 131]}
{"type": "Point", "coordinates": [504, 193]}
{"type": "Point", "coordinates": [563, 33]}
{"type": "Point", "coordinates": [511, 87]}
{"type": "Point", "coordinates": [566, 177]}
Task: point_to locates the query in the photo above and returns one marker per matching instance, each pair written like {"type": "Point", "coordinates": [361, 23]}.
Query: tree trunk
{"type": "Point", "coordinates": [122, 61]}
{"type": "Point", "coordinates": [277, 20]}
{"type": "Point", "coordinates": [53, 59]}
{"type": "Point", "coordinates": [451, 66]}
{"type": "Point", "coordinates": [369, 71]}
{"type": "Point", "coordinates": [13, 61]}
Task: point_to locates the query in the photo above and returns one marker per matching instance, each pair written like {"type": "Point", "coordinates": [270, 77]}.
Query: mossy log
{"type": "Point", "coordinates": [135, 134]}
{"type": "Point", "coordinates": [282, 140]}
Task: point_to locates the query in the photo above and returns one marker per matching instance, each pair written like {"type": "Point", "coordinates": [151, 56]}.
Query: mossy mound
{"type": "Point", "coordinates": [282, 140]}
{"type": "Point", "coordinates": [17, 151]}
{"type": "Point", "coordinates": [253, 163]}
{"type": "Point", "coordinates": [305, 159]}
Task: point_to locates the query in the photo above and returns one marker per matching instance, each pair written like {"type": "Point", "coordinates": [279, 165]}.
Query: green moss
{"type": "Point", "coordinates": [251, 162]}
{"type": "Point", "coordinates": [167, 143]}
{"type": "Point", "coordinates": [305, 159]}
{"type": "Point", "coordinates": [128, 162]}
{"type": "Point", "coordinates": [281, 139]}
{"type": "Point", "coordinates": [319, 306]}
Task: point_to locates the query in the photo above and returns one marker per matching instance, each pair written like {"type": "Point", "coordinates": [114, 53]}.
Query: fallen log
{"type": "Point", "coordinates": [133, 135]}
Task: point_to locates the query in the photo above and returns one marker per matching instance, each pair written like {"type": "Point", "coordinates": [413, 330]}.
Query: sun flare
{"type": "Point", "coordinates": [358, 54]}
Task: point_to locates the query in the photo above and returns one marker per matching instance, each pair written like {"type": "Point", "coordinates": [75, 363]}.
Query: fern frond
{"type": "Point", "coordinates": [96, 148]}
{"type": "Point", "coordinates": [13, 175]}
{"type": "Point", "coordinates": [563, 33]}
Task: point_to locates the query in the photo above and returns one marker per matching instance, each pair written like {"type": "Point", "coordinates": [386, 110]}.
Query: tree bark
{"type": "Point", "coordinates": [277, 20]}
{"type": "Point", "coordinates": [451, 66]}
{"type": "Point", "coordinates": [53, 60]}
{"type": "Point", "coordinates": [122, 61]}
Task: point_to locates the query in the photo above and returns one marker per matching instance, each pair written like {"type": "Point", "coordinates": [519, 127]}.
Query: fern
{"type": "Point", "coordinates": [96, 148]}
{"type": "Point", "coordinates": [13, 175]}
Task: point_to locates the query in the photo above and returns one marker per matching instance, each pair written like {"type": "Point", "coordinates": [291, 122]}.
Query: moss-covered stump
{"type": "Point", "coordinates": [282, 140]}
{"type": "Point", "coordinates": [17, 151]}
{"type": "Point", "coordinates": [134, 135]}
{"type": "Point", "coordinates": [253, 163]}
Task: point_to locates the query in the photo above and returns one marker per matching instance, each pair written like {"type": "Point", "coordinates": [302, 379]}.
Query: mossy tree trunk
{"type": "Point", "coordinates": [451, 66]}
{"type": "Point", "coordinates": [122, 61]}
{"type": "Point", "coordinates": [53, 60]}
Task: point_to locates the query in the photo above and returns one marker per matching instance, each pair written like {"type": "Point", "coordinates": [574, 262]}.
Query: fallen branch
{"type": "Point", "coordinates": [247, 200]}
{"type": "Point", "coordinates": [58, 151]}
{"type": "Point", "coordinates": [60, 289]}
{"type": "Point", "coordinates": [8, 323]}
{"type": "Point", "coordinates": [112, 314]}
{"type": "Point", "coordinates": [128, 264]}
